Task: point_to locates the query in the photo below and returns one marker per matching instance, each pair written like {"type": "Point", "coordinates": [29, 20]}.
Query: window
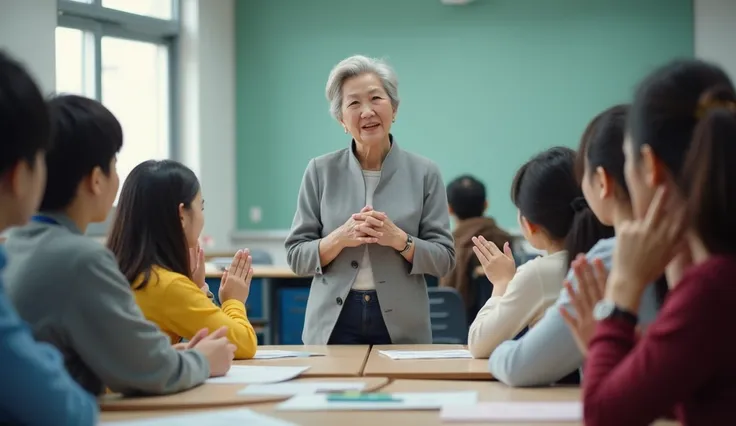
{"type": "Point", "coordinates": [121, 52]}
{"type": "Point", "coordinates": [162, 9]}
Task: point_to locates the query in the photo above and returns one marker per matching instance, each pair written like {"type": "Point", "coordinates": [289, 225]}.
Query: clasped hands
{"type": "Point", "coordinates": [370, 226]}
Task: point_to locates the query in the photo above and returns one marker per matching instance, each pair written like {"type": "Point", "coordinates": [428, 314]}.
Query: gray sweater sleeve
{"type": "Point", "coordinates": [434, 253]}
{"type": "Point", "coordinates": [547, 352]}
{"type": "Point", "coordinates": [128, 353]}
{"type": "Point", "coordinates": [302, 243]}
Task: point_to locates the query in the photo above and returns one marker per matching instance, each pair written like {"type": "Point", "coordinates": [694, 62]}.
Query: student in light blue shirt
{"type": "Point", "coordinates": [547, 353]}
{"type": "Point", "coordinates": [35, 389]}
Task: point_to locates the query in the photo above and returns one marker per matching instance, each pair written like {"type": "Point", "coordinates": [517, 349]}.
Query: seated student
{"type": "Point", "coordinates": [679, 166]}
{"type": "Point", "coordinates": [467, 201]}
{"type": "Point", "coordinates": [35, 389]}
{"type": "Point", "coordinates": [68, 286]}
{"type": "Point", "coordinates": [158, 222]}
{"type": "Point", "coordinates": [553, 218]}
{"type": "Point", "coordinates": [547, 353]}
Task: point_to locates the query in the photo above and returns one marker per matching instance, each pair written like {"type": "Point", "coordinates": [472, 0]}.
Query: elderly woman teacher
{"type": "Point", "coordinates": [371, 220]}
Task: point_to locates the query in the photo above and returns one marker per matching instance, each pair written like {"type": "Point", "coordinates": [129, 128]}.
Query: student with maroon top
{"type": "Point", "coordinates": [682, 141]}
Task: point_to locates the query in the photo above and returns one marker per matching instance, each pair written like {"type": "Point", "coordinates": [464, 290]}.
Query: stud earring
{"type": "Point", "coordinates": [346, 130]}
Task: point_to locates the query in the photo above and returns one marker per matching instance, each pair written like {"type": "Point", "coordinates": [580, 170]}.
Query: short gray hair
{"type": "Point", "coordinates": [354, 66]}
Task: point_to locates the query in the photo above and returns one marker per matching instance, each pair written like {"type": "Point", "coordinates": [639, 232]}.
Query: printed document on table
{"type": "Point", "coordinates": [273, 354]}
{"type": "Point", "coordinates": [565, 411]}
{"type": "Point", "coordinates": [297, 388]}
{"type": "Point", "coordinates": [251, 374]}
{"type": "Point", "coordinates": [239, 416]}
{"type": "Point", "coordinates": [401, 401]}
{"type": "Point", "coordinates": [446, 354]}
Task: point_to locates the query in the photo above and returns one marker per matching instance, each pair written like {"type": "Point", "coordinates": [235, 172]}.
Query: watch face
{"type": "Point", "coordinates": [603, 309]}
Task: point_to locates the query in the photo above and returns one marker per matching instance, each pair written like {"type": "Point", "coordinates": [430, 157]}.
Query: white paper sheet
{"type": "Point", "coordinates": [571, 411]}
{"type": "Point", "coordinates": [446, 354]}
{"type": "Point", "coordinates": [273, 354]}
{"type": "Point", "coordinates": [409, 401]}
{"type": "Point", "coordinates": [239, 416]}
{"type": "Point", "coordinates": [251, 374]}
{"type": "Point", "coordinates": [297, 388]}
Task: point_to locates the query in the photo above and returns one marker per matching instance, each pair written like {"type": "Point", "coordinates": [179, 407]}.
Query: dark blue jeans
{"type": "Point", "coordinates": [360, 321]}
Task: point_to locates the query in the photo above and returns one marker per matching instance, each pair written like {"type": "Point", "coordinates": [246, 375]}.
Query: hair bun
{"type": "Point", "coordinates": [579, 204]}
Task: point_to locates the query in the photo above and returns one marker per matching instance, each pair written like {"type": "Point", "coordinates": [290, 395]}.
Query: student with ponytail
{"type": "Point", "coordinates": [548, 353]}
{"type": "Point", "coordinates": [679, 167]}
{"type": "Point", "coordinates": [554, 218]}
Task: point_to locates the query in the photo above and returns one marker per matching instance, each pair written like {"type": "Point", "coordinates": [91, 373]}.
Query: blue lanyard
{"type": "Point", "coordinates": [44, 219]}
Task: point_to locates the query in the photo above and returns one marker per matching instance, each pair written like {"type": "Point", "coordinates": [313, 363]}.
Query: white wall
{"type": "Point", "coordinates": [27, 30]}
{"type": "Point", "coordinates": [715, 32]}
{"type": "Point", "coordinates": [207, 101]}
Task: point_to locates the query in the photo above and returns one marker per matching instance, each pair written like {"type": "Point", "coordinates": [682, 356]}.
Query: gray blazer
{"type": "Point", "coordinates": [412, 194]}
{"type": "Point", "coordinates": [69, 289]}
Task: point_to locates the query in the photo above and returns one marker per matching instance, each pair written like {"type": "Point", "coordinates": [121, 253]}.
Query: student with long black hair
{"type": "Point", "coordinates": [155, 235]}
{"type": "Point", "coordinates": [553, 218]}
{"type": "Point", "coordinates": [679, 167]}
{"type": "Point", "coordinates": [548, 353]}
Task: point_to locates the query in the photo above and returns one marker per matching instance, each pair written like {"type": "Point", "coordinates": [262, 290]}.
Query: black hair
{"type": "Point", "coordinates": [466, 196]}
{"type": "Point", "coordinates": [602, 146]}
{"type": "Point", "coordinates": [86, 136]}
{"type": "Point", "coordinates": [685, 112]}
{"type": "Point", "coordinates": [547, 193]}
{"type": "Point", "coordinates": [24, 119]}
{"type": "Point", "coordinates": [147, 231]}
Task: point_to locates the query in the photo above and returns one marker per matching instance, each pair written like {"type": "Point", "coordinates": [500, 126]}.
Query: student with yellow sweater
{"type": "Point", "coordinates": [154, 237]}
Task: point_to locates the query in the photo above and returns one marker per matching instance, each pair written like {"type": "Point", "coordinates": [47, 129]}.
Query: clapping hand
{"type": "Point", "coordinates": [196, 262]}
{"type": "Point", "coordinates": [591, 286]}
{"type": "Point", "coordinates": [235, 282]}
{"type": "Point", "coordinates": [643, 249]}
{"type": "Point", "coordinates": [499, 266]}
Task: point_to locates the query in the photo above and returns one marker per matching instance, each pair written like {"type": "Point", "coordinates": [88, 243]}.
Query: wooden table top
{"type": "Point", "coordinates": [261, 271]}
{"type": "Point", "coordinates": [425, 369]}
{"type": "Point", "coordinates": [339, 360]}
{"type": "Point", "coordinates": [487, 391]}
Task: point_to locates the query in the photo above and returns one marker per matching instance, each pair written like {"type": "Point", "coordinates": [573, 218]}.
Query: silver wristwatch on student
{"type": "Point", "coordinates": [605, 309]}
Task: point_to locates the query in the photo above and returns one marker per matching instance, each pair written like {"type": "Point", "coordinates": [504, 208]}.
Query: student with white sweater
{"type": "Point", "coordinates": [554, 218]}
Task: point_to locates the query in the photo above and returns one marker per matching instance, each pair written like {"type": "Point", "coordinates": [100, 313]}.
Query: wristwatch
{"type": "Point", "coordinates": [409, 242]}
{"type": "Point", "coordinates": [605, 309]}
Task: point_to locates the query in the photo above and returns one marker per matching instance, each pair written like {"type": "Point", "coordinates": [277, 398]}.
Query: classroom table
{"type": "Point", "coordinates": [435, 369]}
{"type": "Point", "coordinates": [339, 360]}
{"type": "Point", "coordinates": [487, 391]}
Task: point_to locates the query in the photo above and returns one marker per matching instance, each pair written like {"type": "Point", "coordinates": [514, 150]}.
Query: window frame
{"type": "Point", "coordinates": [101, 22]}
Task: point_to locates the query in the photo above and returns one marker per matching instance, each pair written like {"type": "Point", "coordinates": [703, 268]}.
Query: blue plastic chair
{"type": "Point", "coordinates": [447, 316]}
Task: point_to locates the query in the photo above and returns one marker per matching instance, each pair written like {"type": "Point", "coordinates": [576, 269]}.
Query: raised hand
{"type": "Point", "coordinates": [499, 266]}
{"type": "Point", "coordinates": [196, 262]}
{"type": "Point", "coordinates": [591, 287]}
{"type": "Point", "coordinates": [235, 281]}
{"type": "Point", "coordinates": [643, 249]}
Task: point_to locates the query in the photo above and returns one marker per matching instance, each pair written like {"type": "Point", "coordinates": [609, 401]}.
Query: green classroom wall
{"type": "Point", "coordinates": [483, 86]}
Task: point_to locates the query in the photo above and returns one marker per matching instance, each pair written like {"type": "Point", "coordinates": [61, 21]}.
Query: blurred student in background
{"type": "Point", "coordinates": [468, 203]}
